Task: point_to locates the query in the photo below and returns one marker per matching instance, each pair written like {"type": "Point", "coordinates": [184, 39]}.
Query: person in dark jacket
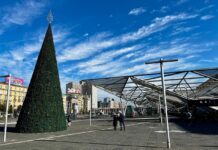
{"type": "Point", "coordinates": [115, 118]}
{"type": "Point", "coordinates": [69, 120]}
{"type": "Point", "coordinates": [121, 120]}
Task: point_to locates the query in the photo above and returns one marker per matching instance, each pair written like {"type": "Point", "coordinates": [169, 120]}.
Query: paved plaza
{"type": "Point", "coordinates": [100, 136]}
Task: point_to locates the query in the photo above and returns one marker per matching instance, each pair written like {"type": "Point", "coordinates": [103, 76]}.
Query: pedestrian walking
{"type": "Point", "coordinates": [69, 120]}
{"type": "Point", "coordinates": [122, 121]}
{"type": "Point", "coordinates": [115, 119]}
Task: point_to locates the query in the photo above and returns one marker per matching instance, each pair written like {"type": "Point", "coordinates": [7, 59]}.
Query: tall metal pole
{"type": "Point", "coordinates": [161, 61]}
{"type": "Point", "coordinates": [161, 119]}
{"type": "Point", "coordinates": [165, 105]}
{"type": "Point", "coordinates": [6, 113]}
{"type": "Point", "coordinates": [121, 103]}
{"type": "Point", "coordinates": [90, 114]}
{"type": "Point", "coordinates": [90, 120]}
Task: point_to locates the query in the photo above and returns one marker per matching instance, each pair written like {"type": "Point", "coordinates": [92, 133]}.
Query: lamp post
{"type": "Point", "coordinates": [7, 104]}
{"type": "Point", "coordinates": [90, 121]}
{"type": "Point", "coordinates": [161, 119]}
{"type": "Point", "coordinates": [161, 61]}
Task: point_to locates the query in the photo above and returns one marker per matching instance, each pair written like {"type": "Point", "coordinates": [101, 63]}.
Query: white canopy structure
{"type": "Point", "coordinates": [181, 86]}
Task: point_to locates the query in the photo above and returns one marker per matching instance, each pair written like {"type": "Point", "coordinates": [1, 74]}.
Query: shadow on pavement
{"type": "Point", "coordinates": [9, 129]}
{"type": "Point", "coordinates": [210, 128]}
{"type": "Point", "coordinates": [106, 144]}
{"type": "Point", "coordinates": [209, 146]}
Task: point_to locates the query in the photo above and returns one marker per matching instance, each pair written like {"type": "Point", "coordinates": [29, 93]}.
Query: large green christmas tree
{"type": "Point", "coordinates": [42, 109]}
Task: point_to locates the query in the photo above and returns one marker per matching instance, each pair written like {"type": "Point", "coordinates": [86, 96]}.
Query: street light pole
{"type": "Point", "coordinates": [6, 113]}
{"type": "Point", "coordinates": [161, 119]}
{"type": "Point", "coordinates": [161, 61]}
{"type": "Point", "coordinates": [165, 105]}
{"type": "Point", "coordinates": [121, 103]}
{"type": "Point", "coordinates": [90, 121]}
{"type": "Point", "coordinates": [90, 114]}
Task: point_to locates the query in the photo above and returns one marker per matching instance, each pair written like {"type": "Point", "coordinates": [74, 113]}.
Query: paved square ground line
{"type": "Point", "coordinates": [143, 135]}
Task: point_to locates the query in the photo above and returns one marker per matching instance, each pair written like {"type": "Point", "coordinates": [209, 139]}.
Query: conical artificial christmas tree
{"type": "Point", "coordinates": [42, 109]}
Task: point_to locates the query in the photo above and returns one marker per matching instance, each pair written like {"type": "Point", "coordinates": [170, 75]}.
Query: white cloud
{"type": "Point", "coordinates": [102, 41]}
{"type": "Point", "coordinates": [142, 68]}
{"type": "Point", "coordinates": [105, 62]}
{"type": "Point", "coordinates": [21, 59]}
{"type": "Point", "coordinates": [181, 65]}
{"type": "Point", "coordinates": [209, 60]}
{"type": "Point", "coordinates": [23, 12]}
{"type": "Point", "coordinates": [176, 48]}
{"type": "Point", "coordinates": [25, 50]}
{"type": "Point", "coordinates": [158, 25]}
{"type": "Point", "coordinates": [205, 8]}
{"type": "Point", "coordinates": [179, 30]}
{"type": "Point", "coordinates": [138, 69]}
{"type": "Point", "coordinates": [102, 68]}
{"type": "Point", "coordinates": [134, 65]}
{"type": "Point", "coordinates": [22, 52]}
{"type": "Point", "coordinates": [137, 11]}
{"type": "Point", "coordinates": [112, 62]}
{"type": "Point", "coordinates": [131, 60]}
{"type": "Point", "coordinates": [87, 48]}
{"type": "Point", "coordinates": [60, 34]}
{"type": "Point", "coordinates": [16, 68]}
{"type": "Point", "coordinates": [4, 60]}
{"type": "Point", "coordinates": [109, 56]}
{"type": "Point", "coordinates": [207, 17]}
{"type": "Point", "coordinates": [161, 52]}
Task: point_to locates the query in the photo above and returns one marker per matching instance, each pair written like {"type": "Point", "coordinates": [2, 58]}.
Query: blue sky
{"type": "Point", "coordinates": [108, 38]}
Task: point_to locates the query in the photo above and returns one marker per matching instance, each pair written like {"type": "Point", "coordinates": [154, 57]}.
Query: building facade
{"type": "Point", "coordinates": [90, 94]}
{"type": "Point", "coordinates": [64, 97]}
{"type": "Point", "coordinates": [74, 98]}
{"type": "Point", "coordinates": [109, 105]}
{"type": "Point", "coordinates": [17, 95]}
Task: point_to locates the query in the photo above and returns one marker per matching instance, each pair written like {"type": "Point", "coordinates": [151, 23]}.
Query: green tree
{"type": "Point", "coordinates": [42, 109]}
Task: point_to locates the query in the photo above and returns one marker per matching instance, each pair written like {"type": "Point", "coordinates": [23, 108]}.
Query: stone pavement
{"type": "Point", "coordinates": [101, 136]}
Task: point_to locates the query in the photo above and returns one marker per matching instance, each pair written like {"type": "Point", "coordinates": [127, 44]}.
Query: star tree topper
{"type": "Point", "coordinates": [50, 17]}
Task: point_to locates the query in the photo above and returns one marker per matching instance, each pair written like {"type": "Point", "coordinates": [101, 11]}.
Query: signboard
{"type": "Point", "coordinates": [73, 91]}
{"type": "Point", "coordinates": [15, 81]}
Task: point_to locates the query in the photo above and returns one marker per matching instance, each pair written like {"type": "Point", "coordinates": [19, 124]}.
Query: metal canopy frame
{"type": "Point", "coordinates": [181, 86]}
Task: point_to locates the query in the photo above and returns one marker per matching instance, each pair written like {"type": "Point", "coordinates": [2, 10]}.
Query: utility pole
{"type": "Point", "coordinates": [161, 61]}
